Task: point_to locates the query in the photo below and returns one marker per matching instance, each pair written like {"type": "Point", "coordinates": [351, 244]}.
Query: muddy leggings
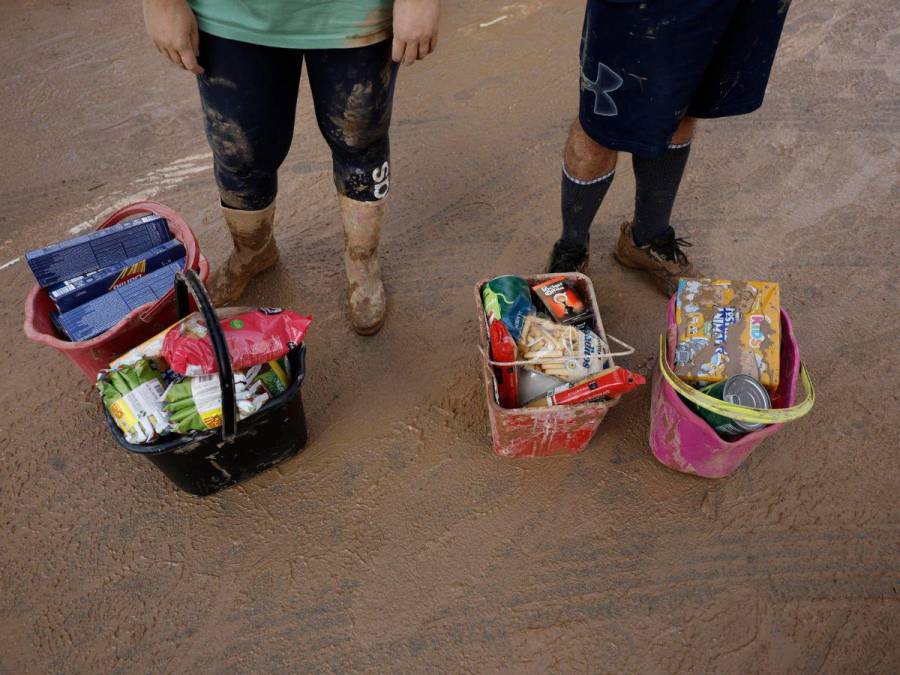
{"type": "Point", "coordinates": [249, 97]}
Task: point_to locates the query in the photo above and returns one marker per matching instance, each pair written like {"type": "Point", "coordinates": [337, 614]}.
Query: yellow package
{"type": "Point", "coordinates": [728, 328]}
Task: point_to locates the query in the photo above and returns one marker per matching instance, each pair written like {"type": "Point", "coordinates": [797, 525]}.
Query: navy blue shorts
{"type": "Point", "coordinates": [647, 64]}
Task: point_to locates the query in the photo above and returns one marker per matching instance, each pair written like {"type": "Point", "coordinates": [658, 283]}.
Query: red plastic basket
{"type": "Point", "coordinates": [539, 432]}
{"type": "Point", "coordinates": [141, 324]}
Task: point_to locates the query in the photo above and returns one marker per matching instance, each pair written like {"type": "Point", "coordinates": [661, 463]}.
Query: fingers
{"type": "Point", "coordinates": [410, 53]}
{"type": "Point", "coordinates": [173, 56]}
{"type": "Point", "coordinates": [189, 61]}
{"type": "Point", "coordinates": [195, 47]}
{"type": "Point", "coordinates": [397, 50]}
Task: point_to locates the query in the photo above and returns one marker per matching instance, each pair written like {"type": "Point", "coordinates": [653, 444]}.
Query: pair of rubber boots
{"type": "Point", "coordinates": [255, 251]}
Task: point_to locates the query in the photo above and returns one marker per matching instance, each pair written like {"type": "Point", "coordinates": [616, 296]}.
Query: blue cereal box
{"type": "Point", "coordinates": [102, 313]}
{"type": "Point", "coordinates": [74, 292]}
{"type": "Point", "coordinates": [94, 251]}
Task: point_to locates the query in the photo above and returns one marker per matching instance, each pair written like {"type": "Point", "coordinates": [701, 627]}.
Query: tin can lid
{"type": "Point", "coordinates": [746, 391]}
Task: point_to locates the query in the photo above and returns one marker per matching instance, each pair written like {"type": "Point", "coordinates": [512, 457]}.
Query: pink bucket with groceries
{"type": "Point", "coordinates": [680, 436]}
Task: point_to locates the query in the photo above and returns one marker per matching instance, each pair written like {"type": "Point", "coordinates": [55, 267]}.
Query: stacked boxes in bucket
{"type": "Point", "coordinates": [549, 371]}
{"type": "Point", "coordinates": [96, 279]}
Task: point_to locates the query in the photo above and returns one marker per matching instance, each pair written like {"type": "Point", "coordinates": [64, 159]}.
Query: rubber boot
{"type": "Point", "coordinates": [254, 251]}
{"type": "Point", "coordinates": [362, 229]}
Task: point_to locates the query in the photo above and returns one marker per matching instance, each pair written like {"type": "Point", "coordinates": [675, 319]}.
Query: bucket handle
{"type": "Point", "coordinates": [565, 359]}
{"type": "Point", "coordinates": [738, 412]}
{"type": "Point", "coordinates": [188, 281]}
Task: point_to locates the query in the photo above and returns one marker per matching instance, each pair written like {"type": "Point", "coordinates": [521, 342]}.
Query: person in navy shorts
{"type": "Point", "coordinates": [649, 70]}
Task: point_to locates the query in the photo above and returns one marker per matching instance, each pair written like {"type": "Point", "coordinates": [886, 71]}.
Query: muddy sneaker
{"type": "Point", "coordinates": [567, 258]}
{"type": "Point", "coordinates": [662, 258]}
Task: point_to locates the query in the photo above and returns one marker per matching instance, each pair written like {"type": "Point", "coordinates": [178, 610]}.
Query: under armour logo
{"type": "Point", "coordinates": [607, 80]}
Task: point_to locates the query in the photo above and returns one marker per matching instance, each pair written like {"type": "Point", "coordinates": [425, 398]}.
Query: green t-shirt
{"type": "Point", "coordinates": [297, 24]}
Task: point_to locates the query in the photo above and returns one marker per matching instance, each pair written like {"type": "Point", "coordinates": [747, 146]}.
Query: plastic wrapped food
{"type": "Point", "coordinates": [195, 403]}
{"type": "Point", "coordinates": [132, 395]}
{"type": "Point", "coordinates": [253, 337]}
{"type": "Point", "coordinates": [561, 351]}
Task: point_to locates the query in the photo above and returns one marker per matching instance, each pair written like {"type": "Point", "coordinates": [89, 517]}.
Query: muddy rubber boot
{"type": "Point", "coordinates": [362, 229]}
{"type": "Point", "coordinates": [662, 258]}
{"type": "Point", "coordinates": [254, 251]}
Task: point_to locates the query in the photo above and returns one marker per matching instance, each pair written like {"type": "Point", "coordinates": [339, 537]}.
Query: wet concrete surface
{"type": "Point", "coordinates": [397, 541]}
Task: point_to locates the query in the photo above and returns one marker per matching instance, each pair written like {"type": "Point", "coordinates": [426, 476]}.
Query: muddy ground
{"type": "Point", "coordinates": [397, 540]}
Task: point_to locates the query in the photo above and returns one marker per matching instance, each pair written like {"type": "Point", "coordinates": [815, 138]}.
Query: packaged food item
{"type": "Point", "coordinates": [150, 350]}
{"type": "Point", "coordinates": [132, 394]}
{"type": "Point", "coordinates": [562, 301]}
{"type": "Point", "coordinates": [253, 337]}
{"type": "Point", "coordinates": [102, 313]}
{"type": "Point", "coordinates": [562, 351]}
{"type": "Point", "coordinates": [79, 290]}
{"type": "Point", "coordinates": [607, 384]}
{"type": "Point", "coordinates": [728, 328]}
{"type": "Point", "coordinates": [507, 299]}
{"type": "Point", "coordinates": [740, 390]}
{"type": "Point", "coordinates": [96, 250]}
{"type": "Point", "coordinates": [195, 403]}
{"type": "Point", "coordinates": [272, 375]}
{"type": "Point", "coordinates": [503, 349]}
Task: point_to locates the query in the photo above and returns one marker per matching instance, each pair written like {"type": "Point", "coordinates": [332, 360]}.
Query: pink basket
{"type": "Point", "coordinates": [683, 441]}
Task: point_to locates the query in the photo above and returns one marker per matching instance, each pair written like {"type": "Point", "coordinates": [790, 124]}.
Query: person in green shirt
{"type": "Point", "coordinates": [247, 56]}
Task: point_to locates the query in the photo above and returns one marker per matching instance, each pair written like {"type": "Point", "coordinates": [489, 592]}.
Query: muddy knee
{"type": "Point", "coordinates": [360, 152]}
{"type": "Point", "coordinates": [245, 167]}
{"type": "Point", "coordinates": [584, 158]}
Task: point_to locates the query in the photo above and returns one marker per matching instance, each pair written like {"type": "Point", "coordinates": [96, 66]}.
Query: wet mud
{"type": "Point", "coordinates": [397, 541]}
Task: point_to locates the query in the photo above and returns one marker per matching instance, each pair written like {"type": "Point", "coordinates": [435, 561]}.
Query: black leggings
{"type": "Point", "coordinates": [249, 97]}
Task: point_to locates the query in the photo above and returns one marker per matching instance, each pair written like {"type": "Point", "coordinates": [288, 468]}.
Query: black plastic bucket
{"type": "Point", "coordinates": [205, 462]}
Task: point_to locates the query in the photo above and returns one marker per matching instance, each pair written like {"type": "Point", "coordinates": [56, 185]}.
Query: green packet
{"type": "Point", "coordinates": [132, 395]}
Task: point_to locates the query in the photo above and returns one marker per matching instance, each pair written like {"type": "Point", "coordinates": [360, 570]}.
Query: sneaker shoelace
{"type": "Point", "coordinates": [670, 249]}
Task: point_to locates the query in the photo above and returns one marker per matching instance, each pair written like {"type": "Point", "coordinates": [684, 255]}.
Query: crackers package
{"type": "Point", "coordinates": [728, 328]}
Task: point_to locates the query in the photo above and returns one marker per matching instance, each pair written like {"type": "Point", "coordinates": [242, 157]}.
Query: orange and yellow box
{"type": "Point", "coordinates": [728, 328]}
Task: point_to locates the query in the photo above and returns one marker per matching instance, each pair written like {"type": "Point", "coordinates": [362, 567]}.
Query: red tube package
{"type": "Point", "coordinates": [503, 349]}
{"type": "Point", "coordinates": [253, 336]}
{"type": "Point", "coordinates": [609, 384]}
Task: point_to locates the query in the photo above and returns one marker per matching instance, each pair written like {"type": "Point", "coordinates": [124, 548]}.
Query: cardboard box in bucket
{"type": "Point", "coordinates": [140, 324]}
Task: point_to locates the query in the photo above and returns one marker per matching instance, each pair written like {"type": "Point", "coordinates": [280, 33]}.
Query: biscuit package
{"type": "Point", "coordinates": [728, 328]}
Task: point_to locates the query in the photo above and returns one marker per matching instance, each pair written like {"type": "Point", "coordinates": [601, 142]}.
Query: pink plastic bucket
{"type": "Point", "coordinates": [686, 442]}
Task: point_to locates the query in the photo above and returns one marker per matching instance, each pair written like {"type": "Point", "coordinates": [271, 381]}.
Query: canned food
{"type": "Point", "coordinates": [740, 390]}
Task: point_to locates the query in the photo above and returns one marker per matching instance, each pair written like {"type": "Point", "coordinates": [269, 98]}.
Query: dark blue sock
{"type": "Point", "coordinates": [580, 201]}
{"type": "Point", "coordinates": [656, 185]}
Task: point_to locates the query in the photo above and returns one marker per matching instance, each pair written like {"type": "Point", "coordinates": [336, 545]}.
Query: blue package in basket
{"type": "Point", "coordinates": [100, 314]}
{"type": "Point", "coordinates": [96, 250]}
{"type": "Point", "coordinates": [74, 292]}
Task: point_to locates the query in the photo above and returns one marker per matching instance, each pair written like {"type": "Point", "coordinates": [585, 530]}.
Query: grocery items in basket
{"type": "Point", "coordinates": [552, 355]}
{"type": "Point", "coordinates": [148, 397]}
{"type": "Point", "coordinates": [94, 280]}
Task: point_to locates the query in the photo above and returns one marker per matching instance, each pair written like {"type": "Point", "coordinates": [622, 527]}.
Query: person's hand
{"type": "Point", "coordinates": [173, 28]}
{"type": "Point", "coordinates": [415, 29]}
